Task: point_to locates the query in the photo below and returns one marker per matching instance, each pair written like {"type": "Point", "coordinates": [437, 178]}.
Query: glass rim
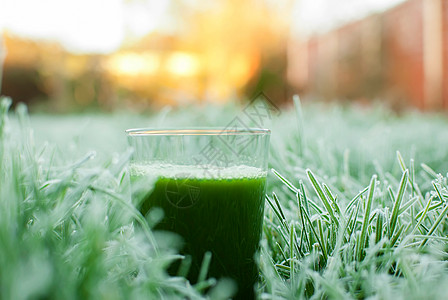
{"type": "Point", "coordinates": [196, 131]}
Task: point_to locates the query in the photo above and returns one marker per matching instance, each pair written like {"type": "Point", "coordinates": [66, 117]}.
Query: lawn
{"type": "Point", "coordinates": [356, 206]}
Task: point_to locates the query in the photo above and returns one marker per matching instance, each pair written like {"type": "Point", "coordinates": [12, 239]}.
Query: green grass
{"type": "Point", "coordinates": [356, 207]}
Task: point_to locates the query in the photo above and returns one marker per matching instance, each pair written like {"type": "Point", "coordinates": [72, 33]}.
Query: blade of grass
{"type": "Point", "coordinates": [365, 223]}
{"type": "Point", "coordinates": [321, 195]}
{"type": "Point", "coordinates": [394, 239]}
{"type": "Point", "coordinates": [280, 216]}
{"type": "Point", "coordinates": [439, 238]}
{"type": "Point", "coordinates": [303, 194]}
{"type": "Point", "coordinates": [301, 252]}
{"type": "Point", "coordinates": [401, 162]}
{"type": "Point", "coordinates": [278, 206]}
{"type": "Point", "coordinates": [379, 226]}
{"type": "Point", "coordinates": [428, 170]}
{"type": "Point", "coordinates": [281, 251]}
{"type": "Point", "coordinates": [407, 205]}
{"type": "Point", "coordinates": [184, 267]}
{"type": "Point", "coordinates": [204, 266]}
{"type": "Point", "coordinates": [305, 226]}
{"type": "Point", "coordinates": [347, 224]}
{"type": "Point", "coordinates": [316, 235]}
{"type": "Point", "coordinates": [135, 213]}
{"type": "Point", "coordinates": [439, 218]}
{"type": "Point", "coordinates": [332, 199]}
{"type": "Point", "coordinates": [291, 254]}
{"type": "Point", "coordinates": [397, 204]}
{"type": "Point", "coordinates": [285, 181]}
{"type": "Point", "coordinates": [295, 190]}
{"type": "Point", "coordinates": [423, 213]}
{"type": "Point", "coordinates": [354, 220]}
{"type": "Point", "coordinates": [322, 238]}
{"type": "Point", "coordinates": [350, 204]}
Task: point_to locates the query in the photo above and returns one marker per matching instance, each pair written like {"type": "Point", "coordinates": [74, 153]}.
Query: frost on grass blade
{"type": "Point", "coordinates": [322, 196]}
{"type": "Point", "coordinates": [397, 203]}
{"type": "Point", "coordinates": [366, 219]}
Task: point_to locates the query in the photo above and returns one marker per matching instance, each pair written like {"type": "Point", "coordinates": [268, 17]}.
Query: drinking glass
{"type": "Point", "coordinates": [210, 183]}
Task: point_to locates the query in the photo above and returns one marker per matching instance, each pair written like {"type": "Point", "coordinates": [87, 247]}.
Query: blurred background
{"type": "Point", "coordinates": [97, 55]}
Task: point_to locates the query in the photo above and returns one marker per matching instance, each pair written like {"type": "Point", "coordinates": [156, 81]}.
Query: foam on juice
{"type": "Point", "coordinates": [196, 171]}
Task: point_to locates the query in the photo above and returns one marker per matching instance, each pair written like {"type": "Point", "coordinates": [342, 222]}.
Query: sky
{"type": "Point", "coordinates": [97, 26]}
{"type": "Point", "coordinates": [101, 26]}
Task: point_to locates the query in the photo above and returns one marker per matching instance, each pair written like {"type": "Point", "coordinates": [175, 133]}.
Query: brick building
{"type": "Point", "coordinates": [399, 55]}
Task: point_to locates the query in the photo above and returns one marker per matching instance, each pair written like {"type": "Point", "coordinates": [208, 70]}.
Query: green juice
{"type": "Point", "coordinates": [220, 212]}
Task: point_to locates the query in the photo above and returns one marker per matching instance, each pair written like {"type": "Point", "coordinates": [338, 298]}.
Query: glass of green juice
{"type": "Point", "coordinates": [210, 183]}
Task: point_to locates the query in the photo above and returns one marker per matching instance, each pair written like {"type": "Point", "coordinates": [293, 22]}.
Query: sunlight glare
{"type": "Point", "coordinates": [182, 64]}
{"type": "Point", "coordinates": [132, 64]}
